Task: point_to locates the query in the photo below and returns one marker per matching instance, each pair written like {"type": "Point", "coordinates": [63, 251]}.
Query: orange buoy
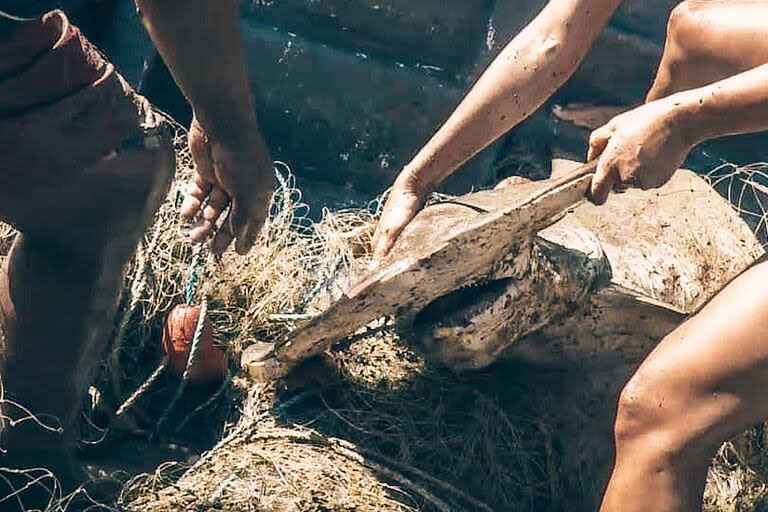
{"type": "Point", "coordinates": [211, 363]}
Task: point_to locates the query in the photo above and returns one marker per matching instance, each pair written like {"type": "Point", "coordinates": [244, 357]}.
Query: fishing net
{"type": "Point", "coordinates": [371, 426]}
{"type": "Point", "coordinates": [389, 432]}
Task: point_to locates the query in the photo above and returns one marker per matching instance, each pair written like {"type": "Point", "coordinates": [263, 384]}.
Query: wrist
{"type": "Point", "coordinates": [687, 117]}
{"type": "Point", "coordinates": [233, 129]}
{"type": "Point", "coordinates": [413, 179]}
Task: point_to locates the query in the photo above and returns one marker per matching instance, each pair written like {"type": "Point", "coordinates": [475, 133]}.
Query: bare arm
{"type": "Point", "coordinates": [527, 72]}
{"type": "Point", "coordinates": [735, 105]}
{"type": "Point", "coordinates": [201, 43]}
{"type": "Point", "coordinates": [524, 75]}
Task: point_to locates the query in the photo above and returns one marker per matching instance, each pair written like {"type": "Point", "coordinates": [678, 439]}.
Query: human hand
{"type": "Point", "coordinates": [639, 148]}
{"type": "Point", "coordinates": [402, 205]}
{"type": "Point", "coordinates": [235, 175]}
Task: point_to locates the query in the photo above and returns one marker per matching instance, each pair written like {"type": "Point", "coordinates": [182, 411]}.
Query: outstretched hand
{"type": "Point", "coordinates": [402, 205]}
{"type": "Point", "coordinates": [639, 148]}
{"type": "Point", "coordinates": [233, 176]}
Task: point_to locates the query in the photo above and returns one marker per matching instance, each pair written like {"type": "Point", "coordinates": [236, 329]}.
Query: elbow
{"type": "Point", "coordinates": [551, 45]}
{"type": "Point", "coordinates": [547, 42]}
{"type": "Point", "coordinates": [535, 49]}
{"type": "Point", "coordinates": [549, 52]}
{"type": "Point", "coordinates": [558, 52]}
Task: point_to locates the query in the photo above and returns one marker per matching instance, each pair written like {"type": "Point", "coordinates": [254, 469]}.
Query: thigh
{"type": "Point", "coordinates": [708, 40]}
{"type": "Point", "coordinates": [62, 110]}
{"type": "Point", "coordinates": [711, 372]}
{"type": "Point", "coordinates": [733, 33]}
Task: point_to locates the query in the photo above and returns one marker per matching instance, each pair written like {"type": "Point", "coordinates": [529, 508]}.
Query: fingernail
{"type": "Point", "coordinates": [591, 196]}
{"type": "Point", "coordinates": [242, 249]}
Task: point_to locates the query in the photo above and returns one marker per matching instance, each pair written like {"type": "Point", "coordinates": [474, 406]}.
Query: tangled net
{"type": "Point", "coordinates": [746, 189]}
{"type": "Point", "coordinates": [377, 429]}
{"type": "Point", "coordinates": [393, 434]}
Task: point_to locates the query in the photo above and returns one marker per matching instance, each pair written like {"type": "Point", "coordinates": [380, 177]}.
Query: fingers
{"type": "Point", "coordinates": [202, 186]}
{"type": "Point", "coordinates": [384, 236]}
{"type": "Point", "coordinates": [383, 240]}
{"type": "Point", "coordinates": [224, 236]}
{"type": "Point", "coordinates": [605, 177]}
{"type": "Point", "coordinates": [400, 209]}
{"type": "Point", "coordinates": [196, 195]}
{"type": "Point", "coordinates": [247, 238]}
{"type": "Point", "coordinates": [228, 177]}
{"type": "Point", "coordinates": [247, 224]}
{"type": "Point", "coordinates": [200, 150]}
{"type": "Point", "coordinates": [242, 226]}
{"type": "Point", "coordinates": [598, 141]}
{"type": "Point", "coordinates": [218, 200]}
{"type": "Point", "coordinates": [387, 232]}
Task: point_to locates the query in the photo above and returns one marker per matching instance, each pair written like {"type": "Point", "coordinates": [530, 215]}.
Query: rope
{"type": "Point", "coordinates": [193, 353]}
{"type": "Point", "coordinates": [12, 17]}
{"type": "Point", "coordinates": [131, 401]}
{"type": "Point", "coordinates": [322, 284]}
{"type": "Point", "coordinates": [204, 405]}
{"type": "Point", "coordinates": [281, 410]}
{"type": "Point", "coordinates": [325, 279]}
{"type": "Point", "coordinates": [138, 285]}
{"type": "Point", "coordinates": [194, 273]}
{"type": "Point", "coordinates": [198, 262]}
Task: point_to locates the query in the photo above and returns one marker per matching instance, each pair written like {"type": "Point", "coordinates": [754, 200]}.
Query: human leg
{"type": "Point", "coordinates": [83, 169]}
{"type": "Point", "coordinates": [703, 384]}
{"type": "Point", "coordinates": [708, 41]}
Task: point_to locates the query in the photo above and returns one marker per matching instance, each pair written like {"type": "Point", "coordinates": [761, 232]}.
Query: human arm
{"type": "Point", "coordinates": [527, 72]}
{"type": "Point", "coordinates": [645, 146]}
{"type": "Point", "coordinates": [201, 43]}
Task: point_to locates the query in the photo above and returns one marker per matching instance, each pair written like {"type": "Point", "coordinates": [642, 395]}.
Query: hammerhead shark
{"type": "Point", "coordinates": [535, 271]}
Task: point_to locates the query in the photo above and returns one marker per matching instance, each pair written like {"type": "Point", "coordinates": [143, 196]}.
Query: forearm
{"type": "Point", "coordinates": [201, 43]}
{"type": "Point", "coordinates": [732, 106]}
{"type": "Point", "coordinates": [527, 72]}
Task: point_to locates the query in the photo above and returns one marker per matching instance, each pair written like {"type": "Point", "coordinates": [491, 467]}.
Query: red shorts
{"type": "Point", "coordinates": [62, 106]}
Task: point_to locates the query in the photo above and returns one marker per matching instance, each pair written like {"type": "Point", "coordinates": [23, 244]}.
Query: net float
{"type": "Point", "coordinates": [210, 364]}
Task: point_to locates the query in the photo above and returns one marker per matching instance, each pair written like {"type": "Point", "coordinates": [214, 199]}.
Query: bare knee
{"type": "Point", "coordinates": [673, 73]}
{"type": "Point", "coordinates": [709, 41]}
{"type": "Point", "coordinates": [696, 27]}
{"type": "Point", "coordinates": [643, 433]}
{"type": "Point", "coordinates": [638, 414]}
{"type": "Point", "coordinates": [655, 418]}
{"type": "Point", "coordinates": [683, 19]}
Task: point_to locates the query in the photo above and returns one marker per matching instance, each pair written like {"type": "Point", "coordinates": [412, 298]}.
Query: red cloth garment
{"type": "Point", "coordinates": [62, 106]}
